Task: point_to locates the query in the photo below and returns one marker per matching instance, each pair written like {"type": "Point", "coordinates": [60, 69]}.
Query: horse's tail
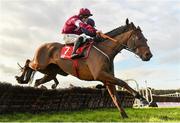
{"type": "Point", "coordinates": [31, 77]}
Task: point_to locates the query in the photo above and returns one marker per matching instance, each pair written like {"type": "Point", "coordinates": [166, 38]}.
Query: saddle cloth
{"type": "Point", "coordinates": [83, 50]}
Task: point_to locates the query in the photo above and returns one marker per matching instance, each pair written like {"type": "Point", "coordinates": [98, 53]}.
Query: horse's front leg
{"type": "Point", "coordinates": [104, 76]}
{"type": "Point", "coordinates": [113, 93]}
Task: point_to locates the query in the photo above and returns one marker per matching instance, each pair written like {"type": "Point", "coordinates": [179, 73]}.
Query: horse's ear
{"type": "Point", "coordinates": [127, 21]}
{"type": "Point", "coordinates": [133, 25]}
{"type": "Point", "coordinates": [138, 28]}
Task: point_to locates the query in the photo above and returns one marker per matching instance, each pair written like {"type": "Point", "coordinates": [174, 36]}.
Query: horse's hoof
{"type": "Point", "coordinates": [35, 85]}
{"type": "Point", "coordinates": [19, 80]}
{"type": "Point", "coordinates": [142, 99]}
{"type": "Point", "coordinates": [99, 86]}
{"type": "Point", "coordinates": [43, 87]}
{"type": "Point", "coordinates": [124, 115]}
{"type": "Point", "coordinates": [54, 86]}
{"type": "Point", "coordinates": [144, 102]}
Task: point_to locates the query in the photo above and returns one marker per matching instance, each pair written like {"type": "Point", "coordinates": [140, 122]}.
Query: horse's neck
{"type": "Point", "coordinates": [113, 48]}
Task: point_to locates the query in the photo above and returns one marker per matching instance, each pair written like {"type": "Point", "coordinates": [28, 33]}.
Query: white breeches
{"type": "Point", "coordinates": [71, 38]}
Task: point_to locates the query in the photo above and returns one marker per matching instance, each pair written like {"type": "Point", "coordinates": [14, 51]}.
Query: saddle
{"type": "Point", "coordinates": [83, 51]}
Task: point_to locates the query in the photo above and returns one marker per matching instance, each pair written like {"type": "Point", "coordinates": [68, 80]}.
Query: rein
{"type": "Point", "coordinates": [107, 37]}
{"type": "Point", "coordinates": [114, 40]}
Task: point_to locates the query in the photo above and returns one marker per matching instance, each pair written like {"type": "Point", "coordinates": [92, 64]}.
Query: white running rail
{"type": "Point", "coordinates": [177, 94]}
{"type": "Point", "coordinates": [146, 93]}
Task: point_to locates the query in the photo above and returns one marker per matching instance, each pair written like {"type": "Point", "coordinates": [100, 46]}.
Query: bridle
{"type": "Point", "coordinates": [131, 39]}
{"type": "Point", "coordinates": [132, 49]}
{"type": "Point", "coordinates": [133, 46]}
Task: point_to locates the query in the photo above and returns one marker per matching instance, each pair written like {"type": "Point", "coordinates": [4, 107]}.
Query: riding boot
{"type": "Point", "coordinates": [76, 46]}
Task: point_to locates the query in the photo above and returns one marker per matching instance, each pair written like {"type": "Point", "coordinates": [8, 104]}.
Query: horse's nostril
{"type": "Point", "coordinates": [148, 55]}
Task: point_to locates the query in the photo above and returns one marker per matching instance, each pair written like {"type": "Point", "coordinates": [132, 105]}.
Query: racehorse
{"type": "Point", "coordinates": [98, 66]}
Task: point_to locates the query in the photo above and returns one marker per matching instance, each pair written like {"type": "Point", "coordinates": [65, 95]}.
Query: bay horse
{"type": "Point", "coordinates": [98, 66]}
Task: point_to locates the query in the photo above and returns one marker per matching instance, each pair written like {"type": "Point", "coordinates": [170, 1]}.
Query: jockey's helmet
{"type": "Point", "coordinates": [84, 12]}
{"type": "Point", "coordinates": [91, 22]}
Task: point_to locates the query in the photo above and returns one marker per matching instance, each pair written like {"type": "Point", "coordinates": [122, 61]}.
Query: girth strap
{"type": "Point", "coordinates": [75, 66]}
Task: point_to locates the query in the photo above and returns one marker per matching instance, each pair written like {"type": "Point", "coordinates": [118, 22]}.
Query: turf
{"type": "Point", "coordinates": [98, 115]}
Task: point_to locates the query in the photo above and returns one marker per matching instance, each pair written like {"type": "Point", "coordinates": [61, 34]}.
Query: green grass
{"type": "Point", "coordinates": [106, 115]}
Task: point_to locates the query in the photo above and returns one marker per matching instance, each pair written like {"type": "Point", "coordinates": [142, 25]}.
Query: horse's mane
{"type": "Point", "coordinates": [116, 31]}
{"type": "Point", "coordinates": [120, 30]}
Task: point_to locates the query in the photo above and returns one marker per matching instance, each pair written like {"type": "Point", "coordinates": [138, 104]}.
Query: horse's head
{"type": "Point", "coordinates": [137, 43]}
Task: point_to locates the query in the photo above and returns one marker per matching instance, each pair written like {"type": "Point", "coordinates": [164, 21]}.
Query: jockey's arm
{"type": "Point", "coordinates": [87, 32]}
{"type": "Point", "coordinates": [86, 29]}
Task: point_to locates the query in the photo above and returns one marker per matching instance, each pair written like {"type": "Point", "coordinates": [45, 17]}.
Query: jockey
{"type": "Point", "coordinates": [90, 23]}
{"type": "Point", "coordinates": [75, 26]}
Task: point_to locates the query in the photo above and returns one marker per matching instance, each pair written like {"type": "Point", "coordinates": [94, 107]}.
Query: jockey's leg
{"type": "Point", "coordinates": [76, 46]}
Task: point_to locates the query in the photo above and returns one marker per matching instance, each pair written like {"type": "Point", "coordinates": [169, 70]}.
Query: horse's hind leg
{"type": "Point", "coordinates": [43, 80]}
{"type": "Point", "coordinates": [26, 74]}
{"type": "Point", "coordinates": [35, 65]}
{"type": "Point", "coordinates": [55, 84]}
{"type": "Point", "coordinates": [113, 93]}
